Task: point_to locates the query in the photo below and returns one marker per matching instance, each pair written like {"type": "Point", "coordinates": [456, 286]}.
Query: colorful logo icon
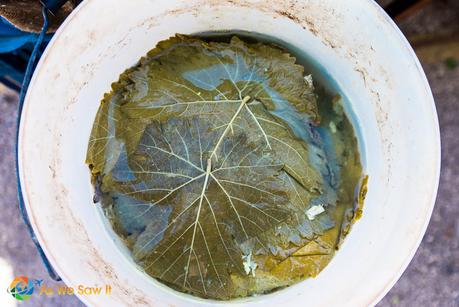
{"type": "Point", "coordinates": [22, 287]}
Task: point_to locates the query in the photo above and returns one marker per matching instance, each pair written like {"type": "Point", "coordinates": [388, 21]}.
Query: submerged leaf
{"type": "Point", "coordinates": [203, 182]}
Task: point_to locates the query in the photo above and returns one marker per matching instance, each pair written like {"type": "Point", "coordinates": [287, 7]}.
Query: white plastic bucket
{"type": "Point", "coordinates": [353, 41]}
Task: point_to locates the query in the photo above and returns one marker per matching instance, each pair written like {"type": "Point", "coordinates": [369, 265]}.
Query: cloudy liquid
{"type": "Point", "coordinates": [334, 142]}
{"type": "Point", "coordinates": [332, 145]}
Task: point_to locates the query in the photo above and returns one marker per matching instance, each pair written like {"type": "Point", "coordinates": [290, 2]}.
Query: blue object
{"type": "Point", "coordinates": [12, 38]}
{"type": "Point", "coordinates": [39, 40]}
{"type": "Point", "coordinates": [16, 47]}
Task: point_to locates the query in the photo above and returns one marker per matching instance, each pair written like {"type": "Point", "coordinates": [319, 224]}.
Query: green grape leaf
{"type": "Point", "coordinates": [193, 164]}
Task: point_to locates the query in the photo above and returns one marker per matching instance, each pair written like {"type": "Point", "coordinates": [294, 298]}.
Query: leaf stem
{"type": "Point", "coordinates": [196, 222]}
{"type": "Point", "coordinates": [228, 127]}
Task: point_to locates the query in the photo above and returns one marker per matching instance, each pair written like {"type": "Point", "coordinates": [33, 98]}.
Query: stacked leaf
{"type": "Point", "coordinates": [206, 186]}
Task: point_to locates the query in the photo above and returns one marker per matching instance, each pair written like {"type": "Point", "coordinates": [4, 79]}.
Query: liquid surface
{"type": "Point", "coordinates": [223, 169]}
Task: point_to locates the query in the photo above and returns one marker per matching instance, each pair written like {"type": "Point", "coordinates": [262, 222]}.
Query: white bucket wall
{"type": "Point", "coordinates": [357, 44]}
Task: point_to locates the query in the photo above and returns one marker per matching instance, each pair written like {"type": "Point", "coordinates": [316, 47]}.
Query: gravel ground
{"type": "Point", "coordinates": [432, 279]}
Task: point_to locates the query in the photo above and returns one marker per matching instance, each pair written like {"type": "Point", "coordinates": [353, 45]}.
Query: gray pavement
{"type": "Point", "coordinates": [432, 279]}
